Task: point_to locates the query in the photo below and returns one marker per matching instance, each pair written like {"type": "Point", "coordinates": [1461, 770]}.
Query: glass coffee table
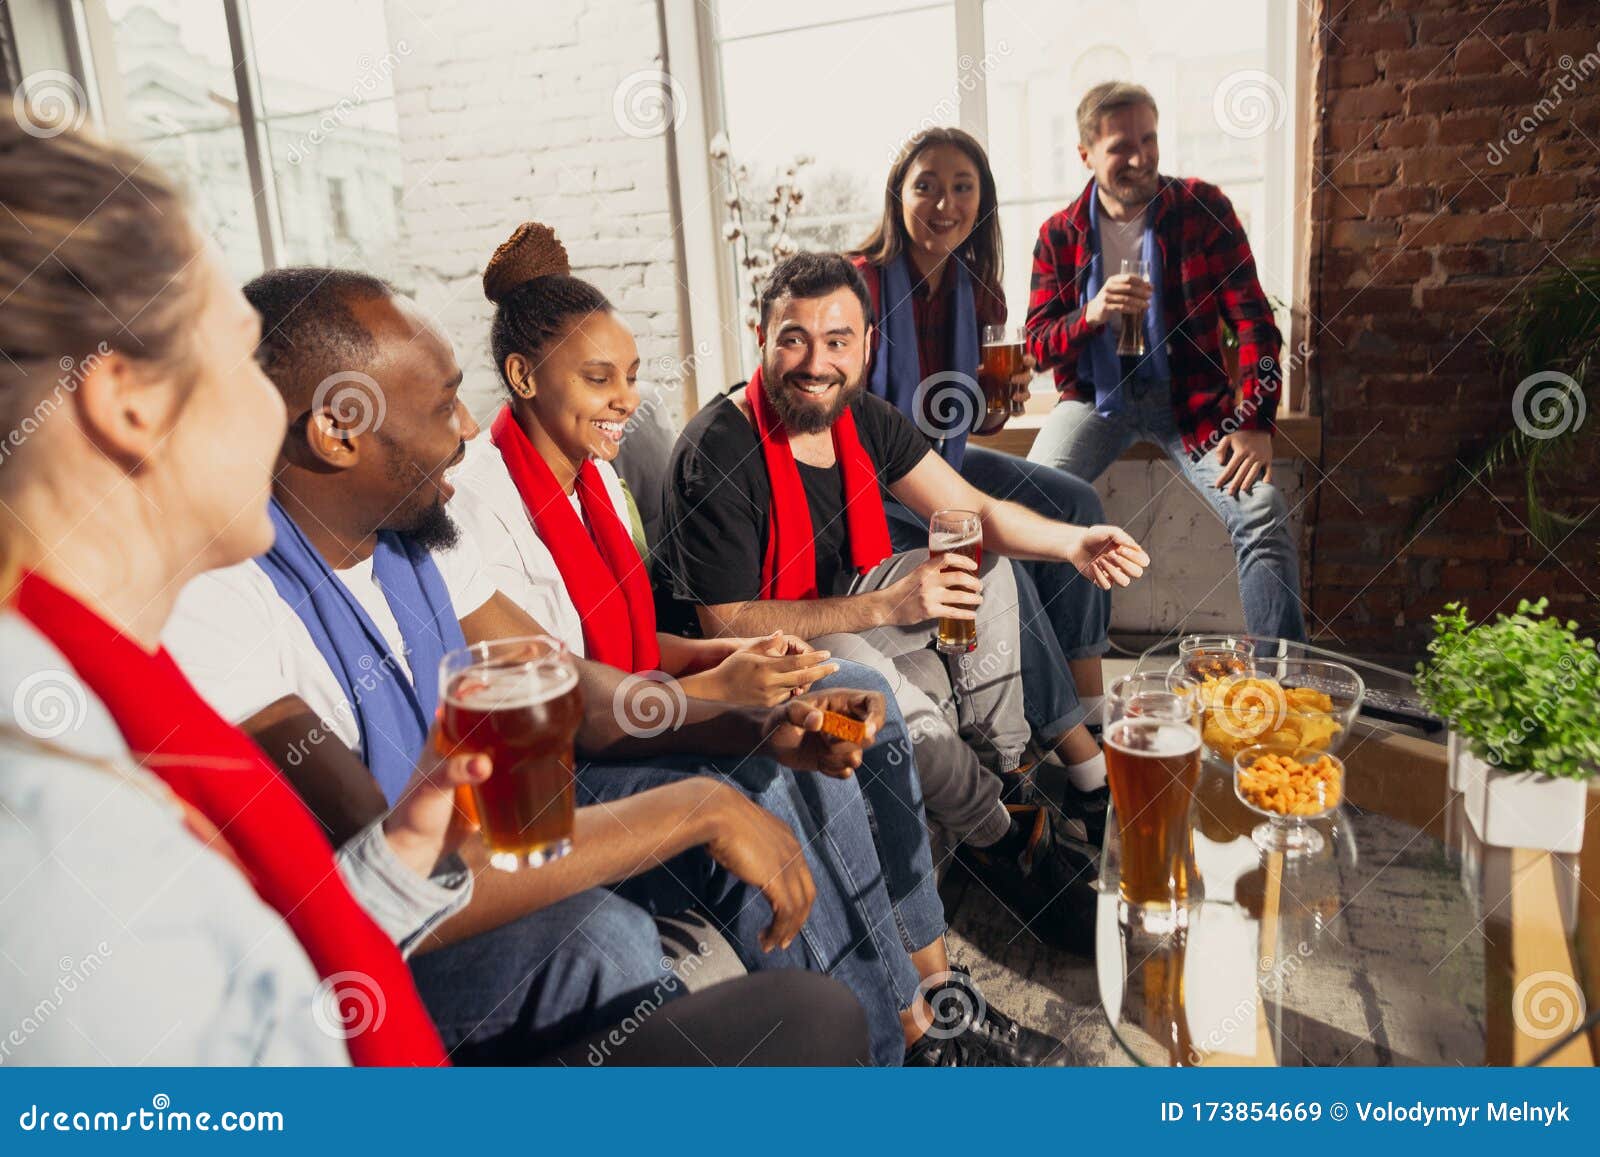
{"type": "Point", "coordinates": [1403, 941]}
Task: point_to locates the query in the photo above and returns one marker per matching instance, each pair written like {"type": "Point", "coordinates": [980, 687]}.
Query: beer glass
{"type": "Point", "coordinates": [1001, 360]}
{"type": "Point", "coordinates": [956, 532]}
{"type": "Point", "coordinates": [1131, 341]}
{"type": "Point", "coordinates": [516, 701]}
{"type": "Point", "coordinates": [1152, 746]}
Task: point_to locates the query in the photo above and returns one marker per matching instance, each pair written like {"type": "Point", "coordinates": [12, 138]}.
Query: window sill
{"type": "Point", "coordinates": [1299, 438]}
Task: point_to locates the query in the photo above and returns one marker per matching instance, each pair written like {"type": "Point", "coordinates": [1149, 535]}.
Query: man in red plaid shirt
{"type": "Point", "coordinates": [1086, 284]}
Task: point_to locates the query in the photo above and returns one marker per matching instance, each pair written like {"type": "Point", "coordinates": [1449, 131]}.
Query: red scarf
{"type": "Point", "coordinates": [214, 767]}
{"type": "Point", "coordinates": [604, 574]}
{"type": "Point", "coordinates": [789, 565]}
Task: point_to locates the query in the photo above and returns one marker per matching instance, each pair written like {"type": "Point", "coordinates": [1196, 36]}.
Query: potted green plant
{"type": "Point", "coordinates": [1522, 695]}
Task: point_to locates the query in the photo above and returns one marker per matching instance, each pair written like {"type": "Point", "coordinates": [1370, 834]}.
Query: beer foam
{"type": "Point", "coordinates": [1159, 739]}
{"type": "Point", "coordinates": [507, 688]}
{"type": "Point", "coordinates": [941, 543]}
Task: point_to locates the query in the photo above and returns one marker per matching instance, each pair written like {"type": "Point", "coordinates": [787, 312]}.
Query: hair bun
{"type": "Point", "coordinates": [531, 251]}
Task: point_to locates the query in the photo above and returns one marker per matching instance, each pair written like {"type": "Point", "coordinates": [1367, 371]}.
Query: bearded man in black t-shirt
{"type": "Point", "coordinates": [774, 521]}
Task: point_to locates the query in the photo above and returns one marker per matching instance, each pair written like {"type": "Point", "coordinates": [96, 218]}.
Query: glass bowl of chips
{"type": "Point", "coordinates": [1291, 787]}
{"type": "Point", "coordinates": [1304, 705]}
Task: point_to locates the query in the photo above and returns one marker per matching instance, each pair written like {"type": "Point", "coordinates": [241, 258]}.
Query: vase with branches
{"type": "Point", "coordinates": [769, 216]}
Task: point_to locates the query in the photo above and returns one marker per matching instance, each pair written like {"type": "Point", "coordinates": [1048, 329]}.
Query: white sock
{"type": "Point", "coordinates": [1090, 774]}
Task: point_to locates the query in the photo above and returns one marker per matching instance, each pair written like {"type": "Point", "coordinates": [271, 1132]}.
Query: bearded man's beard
{"type": "Point", "coordinates": [799, 414]}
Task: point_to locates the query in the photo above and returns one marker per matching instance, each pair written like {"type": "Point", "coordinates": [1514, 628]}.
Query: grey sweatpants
{"type": "Point", "coordinates": [964, 712]}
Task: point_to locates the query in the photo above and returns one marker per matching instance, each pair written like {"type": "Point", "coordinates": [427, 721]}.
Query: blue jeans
{"type": "Point", "coordinates": [516, 993]}
{"type": "Point", "coordinates": [854, 932]}
{"type": "Point", "coordinates": [1082, 442]}
{"type": "Point", "coordinates": [891, 791]}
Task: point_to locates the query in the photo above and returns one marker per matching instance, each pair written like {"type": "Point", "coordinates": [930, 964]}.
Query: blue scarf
{"type": "Point", "coordinates": [1099, 363]}
{"type": "Point", "coordinates": [897, 372]}
{"type": "Point", "coordinates": [392, 713]}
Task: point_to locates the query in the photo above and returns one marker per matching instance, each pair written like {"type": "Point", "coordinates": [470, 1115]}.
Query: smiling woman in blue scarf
{"type": "Point", "coordinates": [933, 265]}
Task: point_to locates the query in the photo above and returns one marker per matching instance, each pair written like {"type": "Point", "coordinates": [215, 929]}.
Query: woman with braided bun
{"type": "Point", "coordinates": [540, 498]}
{"type": "Point", "coordinates": [548, 507]}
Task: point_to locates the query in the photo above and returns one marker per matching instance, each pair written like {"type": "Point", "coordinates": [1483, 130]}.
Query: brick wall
{"type": "Point", "coordinates": [1434, 217]}
{"type": "Point", "coordinates": [507, 113]}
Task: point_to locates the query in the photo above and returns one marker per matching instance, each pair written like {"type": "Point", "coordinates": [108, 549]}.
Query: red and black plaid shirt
{"type": "Point", "coordinates": [1208, 274]}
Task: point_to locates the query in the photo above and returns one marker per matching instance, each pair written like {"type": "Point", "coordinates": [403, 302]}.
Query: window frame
{"type": "Point", "coordinates": [85, 27]}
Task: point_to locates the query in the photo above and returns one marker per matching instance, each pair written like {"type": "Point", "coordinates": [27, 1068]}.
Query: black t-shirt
{"type": "Point", "coordinates": [718, 498]}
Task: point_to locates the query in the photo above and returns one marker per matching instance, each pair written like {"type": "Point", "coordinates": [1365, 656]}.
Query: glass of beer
{"type": "Point", "coordinates": [1152, 744]}
{"type": "Point", "coordinates": [516, 701]}
{"type": "Point", "coordinates": [1130, 343]}
{"type": "Point", "coordinates": [956, 532]}
{"type": "Point", "coordinates": [1001, 360]}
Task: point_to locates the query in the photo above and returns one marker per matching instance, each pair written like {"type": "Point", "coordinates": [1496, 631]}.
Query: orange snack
{"type": "Point", "coordinates": [1290, 787]}
{"type": "Point", "coordinates": [843, 727]}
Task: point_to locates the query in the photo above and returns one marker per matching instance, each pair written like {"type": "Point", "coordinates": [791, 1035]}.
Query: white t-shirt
{"type": "Point", "coordinates": [488, 507]}
{"type": "Point", "coordinates": [244, 648]}
{"type": "Point", "coordinates": [1119, 241]}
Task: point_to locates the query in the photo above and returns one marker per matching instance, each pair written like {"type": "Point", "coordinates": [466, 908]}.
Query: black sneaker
{"type": "Point", "coordinates": [1049, 886]}
{"type": "Point", "coordinates": [968, 1033]}
{"type": "Point", "coordinates": [1082, 814]}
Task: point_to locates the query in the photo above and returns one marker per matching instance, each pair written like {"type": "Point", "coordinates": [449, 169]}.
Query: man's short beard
{"type": "Point", "coordinates": [1135, 195]}
{"type": "Point", "coordinates": [432, 529]}
{"type": "Point", "coordinates": [802, 417]}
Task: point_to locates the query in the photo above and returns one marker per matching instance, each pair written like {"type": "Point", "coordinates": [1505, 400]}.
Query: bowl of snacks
{"type": "Point", "coordinates": [1215, 656]}
{"type": "Point", "coordinates": [1302, 704]}
{"type": "Point", "coordinates": [1291, 787]}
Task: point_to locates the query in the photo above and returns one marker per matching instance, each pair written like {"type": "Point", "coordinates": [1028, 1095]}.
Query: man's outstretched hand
{"type": "Point", "coordinates": [1107, 556]}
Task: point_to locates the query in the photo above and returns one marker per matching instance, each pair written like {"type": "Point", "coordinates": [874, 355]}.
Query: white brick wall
{"type": "Point", "coordinates": [505, 115]}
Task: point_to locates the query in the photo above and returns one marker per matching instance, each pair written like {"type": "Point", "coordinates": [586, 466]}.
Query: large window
{"type": "Point", "coordinates": [847, 83]}
{"type": "Point", "coordinates": [306, 171]}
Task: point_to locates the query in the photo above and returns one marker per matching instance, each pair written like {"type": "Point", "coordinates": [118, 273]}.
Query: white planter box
{"type": "Point", "coordinates": [1525, 810]}
{"type": "Point", "coordinates": [1453, 748]}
